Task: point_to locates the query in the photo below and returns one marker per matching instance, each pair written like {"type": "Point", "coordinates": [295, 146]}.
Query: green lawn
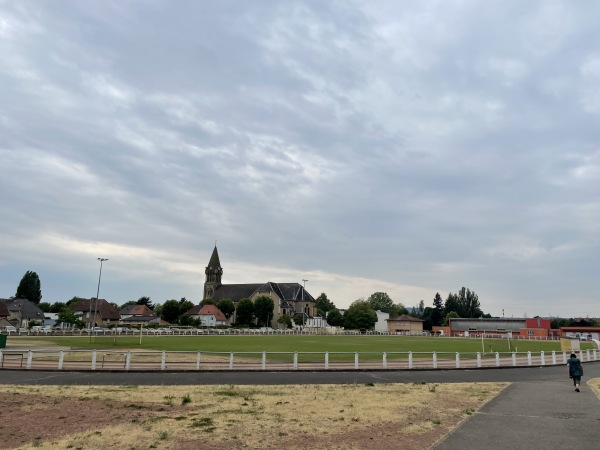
{"type": "Point", "coordinates": [294, 343]}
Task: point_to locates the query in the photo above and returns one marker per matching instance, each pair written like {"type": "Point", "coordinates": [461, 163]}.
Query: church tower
{"type": "Point", "coordinates": [213, 274]}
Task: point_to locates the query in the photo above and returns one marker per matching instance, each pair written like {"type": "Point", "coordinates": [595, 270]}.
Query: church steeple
{"type": "Point", "coordinates": [213, 274]}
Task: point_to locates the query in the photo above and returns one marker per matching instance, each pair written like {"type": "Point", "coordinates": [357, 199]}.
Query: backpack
{"type": "Point", "coordinates": [575, 368]}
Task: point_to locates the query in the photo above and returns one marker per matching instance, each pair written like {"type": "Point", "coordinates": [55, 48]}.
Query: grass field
{"type": "Point", "coordinates": [361, 344]}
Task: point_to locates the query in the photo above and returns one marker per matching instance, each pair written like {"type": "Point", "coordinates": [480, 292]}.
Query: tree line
{"type": "Point", "coordinates": [359, 315]}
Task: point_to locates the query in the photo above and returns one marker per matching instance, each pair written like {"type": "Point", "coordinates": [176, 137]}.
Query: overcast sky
{"type": "Point", "coordinates": [396, 146]}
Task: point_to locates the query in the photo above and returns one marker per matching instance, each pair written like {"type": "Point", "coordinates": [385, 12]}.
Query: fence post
{"type": "Point", "coordinates": [231, 361]}
{"type": "Point", "coordinates": [264, 360]}
{"type": "Point", "coordinates": [514, 358]}
{"type": "Point", "coordinates": [326, 360]}
{"type": "Point", "coordinates": [457, 360]}
{"type": "Point", "coordinates": [497, 359]}
{"type": "Point", "coordinates": [543, 358]}
{"type": "Point", "coordinates": [384, 360]}
{"type": "Point", "coordinates": [564, 357]}
{"type": "Point", "coordinates": [94, 359]}
{"type": "Point", "coordinates": [295, 360]}
{"type": "Point", "coordinates": [29, 359]}
{"type": "Point", "coordinates": [554, 357]}
{"type": "Point", "coordinates": [198, 361]}
{"type": "Point", "coordinates": [1, 358]}
{"type": "Point", "coordinates": [61, 358]}
{"type": "Point", "coordinates": [128, 361]}
{"type": "Point", "coordinates": [478, 359]}
{"type": "Point", "coordinates": [356, 361]}
{"type": "Point", "coordinates": [410, 360]}
{"type": "Point", "coordinates": [529, 363]}
{"type": "Point", "coordinates": [588, 355]}
{"type": "Point", "coordinates": [434, 360]}
{"type": "Point", "coordinates": [163, 361]}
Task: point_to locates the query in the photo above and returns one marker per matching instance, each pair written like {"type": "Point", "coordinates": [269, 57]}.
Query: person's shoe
{"type": "Point", "coordinates": [576, 389]}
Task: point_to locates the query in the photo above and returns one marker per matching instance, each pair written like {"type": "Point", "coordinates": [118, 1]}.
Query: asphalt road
{"type": "Point", "coordinates": [536, 374]}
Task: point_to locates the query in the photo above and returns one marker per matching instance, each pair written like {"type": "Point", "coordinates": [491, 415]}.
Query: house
{"type": "Point", "coordinates": [4, 314]}
{"type": "Point", "coordinates": [208, 315]}
{"type": "Point", "coordinates": [382, 324]}
{"type": "Point", "coordinates": [405, 325]}
{"type": "Point", "coordinates": [22, 312]}
{"type": "Point", "coordinates": [105, 313]}
{"type": "Point", "coordinates": [138, 315]}
{"type": "Point", "coordinates": [288, 298]}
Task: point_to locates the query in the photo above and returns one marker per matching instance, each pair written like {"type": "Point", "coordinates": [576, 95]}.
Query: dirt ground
{"type": "Point", "coordinates": [353, 416]}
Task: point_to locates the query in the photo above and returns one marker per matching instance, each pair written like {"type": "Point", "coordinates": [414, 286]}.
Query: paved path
{"type": "Point", "coordinates": [547, 373]}
{"type": "Point", "coordinates": [544, 414]}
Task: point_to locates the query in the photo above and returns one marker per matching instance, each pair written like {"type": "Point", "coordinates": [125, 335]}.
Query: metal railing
{"type": "Point", "coordinates": [174, 361]}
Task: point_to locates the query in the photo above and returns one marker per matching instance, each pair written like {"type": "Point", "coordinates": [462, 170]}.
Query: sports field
{"type": "Point", "coordinates": [295, 343]}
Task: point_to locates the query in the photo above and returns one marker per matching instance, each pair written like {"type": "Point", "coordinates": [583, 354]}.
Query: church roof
{"type": "Point", "coordinates": [235, 292]}
{"type": "Point", "coordinates": [285, 292]}
{"type": "Point", "coordinates": [214, 259]}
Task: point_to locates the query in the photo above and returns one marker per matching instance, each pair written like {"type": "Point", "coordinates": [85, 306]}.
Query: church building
{"type": "Point", "coordinates": [288, 298]}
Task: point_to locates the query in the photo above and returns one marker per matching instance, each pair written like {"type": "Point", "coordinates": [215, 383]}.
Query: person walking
{"type": "Point", "coordinates": [575, 370]}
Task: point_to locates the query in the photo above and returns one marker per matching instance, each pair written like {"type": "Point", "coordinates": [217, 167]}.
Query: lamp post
{"type": "Point", "coordinates": [97, 293]}
{"type": "Point", "coordinates": [303, 304]}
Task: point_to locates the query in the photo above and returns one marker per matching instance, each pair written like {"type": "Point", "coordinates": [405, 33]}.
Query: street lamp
{"type": "Point", "coordinates": [303, 304]}
{"type": "Point", "coordinates": [98, 291]}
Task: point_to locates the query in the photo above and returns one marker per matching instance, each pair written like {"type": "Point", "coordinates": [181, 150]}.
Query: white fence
{"type": "Point", "coordinates": [173, 361]}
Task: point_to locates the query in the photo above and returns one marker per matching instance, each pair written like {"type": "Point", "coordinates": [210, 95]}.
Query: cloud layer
{"type": "Point", "coordinates": [391, 146]}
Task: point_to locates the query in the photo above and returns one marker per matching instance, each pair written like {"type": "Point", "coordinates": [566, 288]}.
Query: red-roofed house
{"type": "Point", "coordinates": [138, 315]}
{"type": "Point", "coordinates": [208, 315]}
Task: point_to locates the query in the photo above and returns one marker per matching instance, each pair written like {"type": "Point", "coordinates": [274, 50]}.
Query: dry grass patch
{"type": "Point", "coordinates": [594, 383]}
{"type": "Point", "coordinates": [260, 417]}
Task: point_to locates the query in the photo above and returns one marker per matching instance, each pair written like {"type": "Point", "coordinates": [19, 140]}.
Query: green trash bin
{"type": "Point", "coordinates": [2, 340]}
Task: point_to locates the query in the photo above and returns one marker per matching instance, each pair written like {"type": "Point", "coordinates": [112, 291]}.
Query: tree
{"type": "Point", "coordinates": [428, 313]}
{"type": "Point", "coordinates": [380, 301]}
{"type": "Point", "coordinates": [184, 306]}
{"type": "Point", "coordinates": [207, 301]}
{"type": "Point", "coordinates": [469, 303]}
{"type": "Point", "coordinates": [335, 318]}
{"type": "Point", "coordinates": [145, 301]}
{"type": "Point", "coordinates": [263, 309]}
{"type": "Point", "coordinates": [170, 311]}
{"type": "Point", "coordinates": [126, 304]}
{"type": "Point", "coordinates": [450, 315]}
{"type": "Point", "coordinates": [286, 320]}
{"type": "Point", "coordinates": [67, 315]}
{"type": "Point", "coordinates": [227, 307]}
{"type": "Point", "coordinates": [398, 310]}
{"type": "Point", "coordinates": [437, 315]}
{"type": "Point", "coordinates": [451, 304]}
{"type": "Point", "coordinates": [30, 287]}
{"type": "Point", "coordinates": [74, 301]}
{"type": "Point", "coordinates": [360, 315]}
{"type": "Point", "coordinates": [57, 307]}
{"type": "Point", "coordinates": [244, 312]}
{"type": "Point", "coordinates": [419, 310]}
{"type": "Point", "coordinates": [44, 306]}
{"type": "Point", "coordinates": [324, 305]}
{"type": "Point", "coordinates": [465, 303]}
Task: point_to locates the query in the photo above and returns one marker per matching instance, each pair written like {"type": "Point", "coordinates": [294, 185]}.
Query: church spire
{"type": "Point", "coordinates": [213, 274]}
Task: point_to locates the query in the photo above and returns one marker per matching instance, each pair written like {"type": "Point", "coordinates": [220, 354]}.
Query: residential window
{"type": "Point", "coordinates": [530, 332]}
